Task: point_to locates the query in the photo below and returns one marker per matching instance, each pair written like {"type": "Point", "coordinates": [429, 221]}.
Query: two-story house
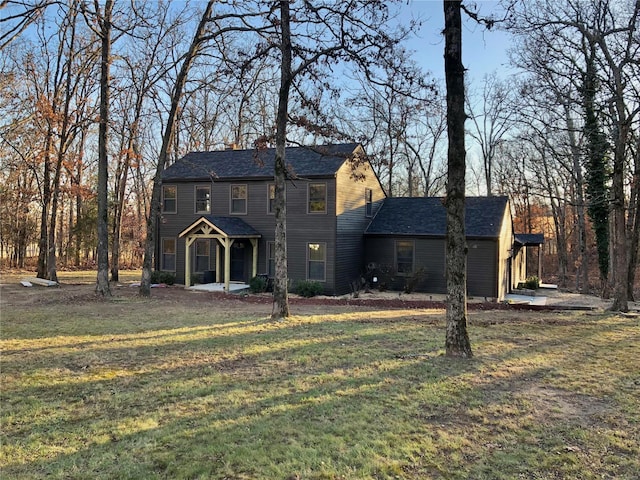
{"type": "Point", "coordinates": [217, 224]}
{"type": "Point", "coordinates": [217, 220]}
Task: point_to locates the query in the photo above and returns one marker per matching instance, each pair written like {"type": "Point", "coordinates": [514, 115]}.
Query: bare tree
{"type": "Point", "coordinates": [604, 34]}
{"type": "Point", "coordinates": [176, 97]}
{"type": "Point", "coordinates": [492, 117]}
{"type": "Point", "coordinates": [457, 338]}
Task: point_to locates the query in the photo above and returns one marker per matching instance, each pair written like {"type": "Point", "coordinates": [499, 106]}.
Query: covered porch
{"type": "Point", "coordinates": [226, 231]}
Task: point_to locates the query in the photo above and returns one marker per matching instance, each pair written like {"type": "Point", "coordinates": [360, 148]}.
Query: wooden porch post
{"type": "Point", "coordinates": [254, 270]}
{"type": "Point", "coordinates": [218, 266]}
{"type": "Point", "coordinates": [187, 260]}
{"type": "Point", "coordinates": [227, 262]}
{"type": "Point", "coordinates": [540, 262]}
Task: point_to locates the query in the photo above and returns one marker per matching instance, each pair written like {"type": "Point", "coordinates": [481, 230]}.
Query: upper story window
{"type": "Point", "coordinates": [368, 202]}
{"type": "Point", "coordinates": [169, 199]}
{"type": "Point", "coordinates": [317, 198]}
{"type": "Point", "coordinates": [271, 195]}
{"type": "Point", "coordinates": [203, 199]}
{"type": "Point", "coordinates": [404, 257]}
{"type": "Point", "coordinates": [239, 199]}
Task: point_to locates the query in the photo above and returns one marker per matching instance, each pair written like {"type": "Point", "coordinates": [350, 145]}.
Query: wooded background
{"type": "Point", "coordinates": [560, 137]}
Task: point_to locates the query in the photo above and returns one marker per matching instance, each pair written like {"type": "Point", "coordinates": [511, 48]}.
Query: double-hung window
{"type": "Point", "coordinates": [404, 257]}
{"type": "Point", "coordinates": [316, 261]}
{"type": "Point", "coordinates": [202, 255]}
{"type": "Point", "coordinates": [368, 202]}
{"type": "Point", "coordinates": [203, 199]}
{"type": "Point", "coordinates": [168, 255]}
{"type": "Point", "coordinates": [271, 259]}
{"type": "Point", "coordinates": [317, 198]}
{"type": "Point", "coordinates": [271, 196]}
{"type": "Point", "coordinates": [169, 199]}
{"type": "Point", "coordinates": [239, 199]}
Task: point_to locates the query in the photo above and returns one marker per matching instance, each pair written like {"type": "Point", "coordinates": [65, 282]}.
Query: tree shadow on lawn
{"type": "Point", "coordinates": [348, 399]}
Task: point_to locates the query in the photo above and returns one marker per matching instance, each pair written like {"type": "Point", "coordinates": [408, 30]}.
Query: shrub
{"type": "Point", "coordinates": [532, 283]}
{"type": "Point", "coordinates": [309, 288]}
{"type": "Point", "coordinates": [414, 280]}
{"type": "Point", "coordinates": [258, 284]}
{"type": "Point", "coordinates": [168, 278]}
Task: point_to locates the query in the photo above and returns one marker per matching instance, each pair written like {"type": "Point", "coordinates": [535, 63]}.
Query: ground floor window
{"type": "Point", "coordinates": [404, 257]}
{"type": "Point", "coordinates": [271, 259]}
{"type": "Point", "coordinates": [317, 261]}
{"type": "Point", "coordinates": [168, 255]}
{"type": "Point", "coordinates": [202, 255]}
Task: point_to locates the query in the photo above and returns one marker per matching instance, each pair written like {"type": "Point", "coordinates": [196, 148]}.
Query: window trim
{"type": "Point", "coordinates": [311, 184]}
{"type": "Point", "coordinates": [271, 201]}
{"type": "Point", "coordinates": [413, 257]}
{"type": "Point", "coordinates": [163, 254]}
{"type": "Point", "coordinates": [195, 199]}
{"type": "Point", "coordinates": [324, 262]}
{"type": "Point", "coordinates": [231, 199]}
{"type": "Point", "coordinates": [207, 242]}
{"type": "Point", "coordinates": [271, 256]}
{"type": "Point", "coordinates": [175, 199]}
{"type": "Point", "coordinates": [368, 202]}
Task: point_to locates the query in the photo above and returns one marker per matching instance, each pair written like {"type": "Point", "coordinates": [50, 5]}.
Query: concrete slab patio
{"type": "Point", "coordinates": [219, 287]}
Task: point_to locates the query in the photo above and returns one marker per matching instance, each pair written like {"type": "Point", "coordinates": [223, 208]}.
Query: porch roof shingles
{"type": "Point", "coordinates": [427, 216]}
{"type": "Point", "coordinates": [251, 163]}
{"type": "Point", "coordinates": [232, 227]}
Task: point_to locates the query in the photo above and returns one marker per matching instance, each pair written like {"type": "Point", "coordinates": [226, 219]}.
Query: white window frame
{"type": "Point", "coordinates": [208, 199]}
{"type": "Point", "coordinates": [175, 199]}
{"type": "Point", "coordinates": [270, 200]}
{"type": "Point", "coordinates": [323, 261]}
{"type": "Point", "coordinates": [231, 197]}
{"type": "Point", "coordinates": [368, 202]}
{"type": "Point", "coordinates": [413, 257]}
{"type": "Point", "coordinates": [201, 241]}
{"type": "Point", "coordinates": [316, 184]}
{"type": "Point", "coordinates": [271, 259]}
{"type": "Point", "coordinates": [163, 261]}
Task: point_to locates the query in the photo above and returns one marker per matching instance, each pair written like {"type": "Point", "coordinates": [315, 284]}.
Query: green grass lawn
{"type": "Point", "coordinates": [134, 388]}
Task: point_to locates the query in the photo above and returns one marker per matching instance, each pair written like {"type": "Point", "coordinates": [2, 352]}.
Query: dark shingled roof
{"type": "Point", "coordinates": [252, 163]}
{"type": "Point", "coordinates": [531, 239]}
{"type": "Point", "coordinates": [233, 226]}
{"type": "Point", "coordinates": [427, 216]}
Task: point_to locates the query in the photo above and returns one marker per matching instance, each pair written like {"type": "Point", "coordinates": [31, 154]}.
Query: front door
{"type": "Point", "coordinates": [237, 261]}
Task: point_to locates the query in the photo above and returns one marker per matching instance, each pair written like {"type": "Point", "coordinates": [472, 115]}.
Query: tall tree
{"type": "Point", "coordinates": [492, 116]}
{"type": "Point", "coordinates": [167, 137]}
{"type": "Point", "coordinates": [280, 294]}
{"type": "Point", "coordinates": [457, 342]}
{"type": "Point", "coordinates": [104, 32]}
{"type": "Point", "coordinates": [318, 36]}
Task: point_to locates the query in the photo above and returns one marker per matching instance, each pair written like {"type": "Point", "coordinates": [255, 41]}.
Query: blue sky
{"type": "Point", "coordinates": [483, 51]}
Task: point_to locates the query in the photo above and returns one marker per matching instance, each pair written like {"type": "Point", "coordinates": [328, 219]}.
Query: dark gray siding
{"type": "Point", "coordinates": [429, 253]}
{"type": "Point", "coordinates": [351, 222]}
{"type": "Point", "coordinates": [302, 227]}
{"type": "Point", "coordinates": [482, 269]}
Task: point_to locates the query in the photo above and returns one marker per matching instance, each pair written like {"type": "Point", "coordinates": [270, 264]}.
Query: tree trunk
{"type": "Point", "coordinates": [457, 338]}
{"type": "Point", "coordinates": [620, 264]}
{"type": "Point", "coordinates": [582, 275]}
{"type": "Point", "coordinates": [176, 96]}
{"type": "Point", "coordinates": [102, 284]}
{"type": "Point", "coordinates": [633, 223]}
{"type": "Point", "coordinates": [280, 286]}
{"type": "Point", "coordinates": [46, 204]}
